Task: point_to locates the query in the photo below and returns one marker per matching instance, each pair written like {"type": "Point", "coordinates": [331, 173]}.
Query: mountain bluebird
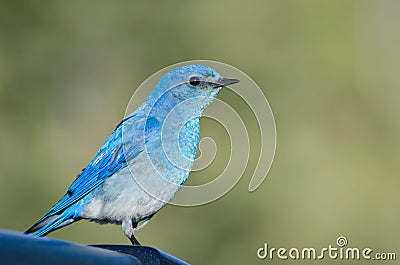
{"type": "Point", "coordinates": [147, 158]}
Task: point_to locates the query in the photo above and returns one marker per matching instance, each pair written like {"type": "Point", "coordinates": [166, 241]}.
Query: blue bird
{"type": "Point", "coordinates": [146, 159]}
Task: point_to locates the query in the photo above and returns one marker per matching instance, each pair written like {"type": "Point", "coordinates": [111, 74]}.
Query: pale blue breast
{"type": "Point", "coordinates": [152, 177]}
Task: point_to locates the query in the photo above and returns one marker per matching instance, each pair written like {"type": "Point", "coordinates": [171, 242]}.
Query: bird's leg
{"type": "Point", "coordinates": [129, 226]}
{"type": "Point", "coordinates": [132, 238]}
{"type": "Point", "coordinates": [134, 241]}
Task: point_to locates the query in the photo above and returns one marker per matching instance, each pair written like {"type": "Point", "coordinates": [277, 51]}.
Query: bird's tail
{"type": "Point", "coordinates": [50, 223]}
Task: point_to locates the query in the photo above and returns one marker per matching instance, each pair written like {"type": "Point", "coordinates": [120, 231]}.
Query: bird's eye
{"type": "Point", "coordinates": [194, 81]}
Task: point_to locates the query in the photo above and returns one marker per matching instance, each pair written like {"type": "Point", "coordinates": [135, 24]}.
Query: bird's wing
{"type": "Point", "coordinates": [112, 156]}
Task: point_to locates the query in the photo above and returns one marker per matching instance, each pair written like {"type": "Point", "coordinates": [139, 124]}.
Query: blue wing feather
{"type": "Point", "coordinates": [112, 156]}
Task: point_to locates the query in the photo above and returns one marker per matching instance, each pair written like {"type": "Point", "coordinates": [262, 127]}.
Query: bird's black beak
{"type": "Point", "coordinates": [225, 82]}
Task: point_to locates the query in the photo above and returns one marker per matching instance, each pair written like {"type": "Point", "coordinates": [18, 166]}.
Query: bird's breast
{"type": "Point", "coordinates": [136, 191]}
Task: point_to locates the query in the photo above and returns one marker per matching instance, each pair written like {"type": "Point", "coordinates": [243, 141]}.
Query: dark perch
{"type": "Point", "coordinates": [20, 249]}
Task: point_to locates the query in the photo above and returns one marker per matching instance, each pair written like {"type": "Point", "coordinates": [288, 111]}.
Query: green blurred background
{"type": "Point", "coordinates": [330, 70]}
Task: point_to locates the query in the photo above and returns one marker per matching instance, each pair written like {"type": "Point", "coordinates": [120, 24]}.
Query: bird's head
{"type": "Point", "coordinates": [196, 83]}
